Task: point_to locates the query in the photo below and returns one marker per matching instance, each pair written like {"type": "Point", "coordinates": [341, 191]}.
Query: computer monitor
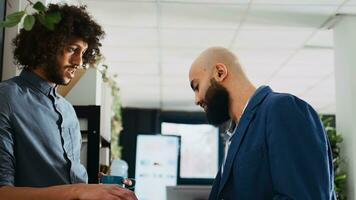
{"type": "Point", "coordinates": [157, 158]}
{"type": "Point", "coordinates": [199, 159]}
{"type": "Point", "coordinates": [188, 192]}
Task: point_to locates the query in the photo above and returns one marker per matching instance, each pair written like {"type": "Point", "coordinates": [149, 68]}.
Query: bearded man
{"type": "Point", "coordinates": [277, 147]}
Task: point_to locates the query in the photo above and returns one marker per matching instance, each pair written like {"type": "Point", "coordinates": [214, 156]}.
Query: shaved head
{"type": "Point", "coordinates": [219, 84]}
{"type": "Point", "coordinates": [213, 55]}
{"type": "Point", "coordinates": [212, 68]}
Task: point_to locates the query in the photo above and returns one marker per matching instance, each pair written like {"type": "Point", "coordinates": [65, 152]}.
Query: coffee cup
{"type": "Point", "coordinates": [118, 180]}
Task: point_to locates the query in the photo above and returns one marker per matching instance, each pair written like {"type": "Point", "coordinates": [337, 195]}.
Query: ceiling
{"type": "Point", "coordinates": [282, 43]}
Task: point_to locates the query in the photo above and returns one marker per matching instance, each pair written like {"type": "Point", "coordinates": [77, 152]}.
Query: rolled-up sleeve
{"type": "Point", "coordinates": [7, 158]}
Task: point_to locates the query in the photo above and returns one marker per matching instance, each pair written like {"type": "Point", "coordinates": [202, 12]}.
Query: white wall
{"type": "Point", "coordinates": [87, 90]}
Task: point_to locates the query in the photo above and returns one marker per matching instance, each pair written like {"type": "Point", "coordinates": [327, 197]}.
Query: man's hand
{"type": "Point", "coordinates": [68, 192]}
{"type": "Point", "coordinates": [103, 192]}
{"type": "Point", "coordinates": [129, 182]}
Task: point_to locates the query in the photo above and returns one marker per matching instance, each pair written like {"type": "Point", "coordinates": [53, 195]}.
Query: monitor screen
{"type": "Point", "coordinates": [157, 158]}
{"type": "Point", "coordinates": [199, 157]}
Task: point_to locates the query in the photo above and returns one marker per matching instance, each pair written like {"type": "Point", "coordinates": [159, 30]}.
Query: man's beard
{"type": "Point", "coordinates": [54, 73]}
{"type": "Point", "coordinates": [217, 102]}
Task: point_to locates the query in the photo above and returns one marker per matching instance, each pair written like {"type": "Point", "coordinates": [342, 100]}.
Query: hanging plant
{"type": "Point", "coordinates": [49, 20]}
{"type": "Point", "coordinates": [116, 125]}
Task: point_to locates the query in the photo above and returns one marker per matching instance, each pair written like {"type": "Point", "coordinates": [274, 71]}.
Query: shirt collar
{"type": "Point", "coordinates": [231, 130]}
{"type": "Point", "coordinates": [233, 125]}
{"type": "Point", "coordinates": [37, 82]}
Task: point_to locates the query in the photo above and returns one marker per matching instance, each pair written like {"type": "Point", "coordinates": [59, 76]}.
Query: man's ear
{"type": "Point", "coordinates": [220, 72]}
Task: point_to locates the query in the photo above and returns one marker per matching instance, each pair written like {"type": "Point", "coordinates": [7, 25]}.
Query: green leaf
{"type": "Point", "coordinates": [39, 6]}
{"type": "Point", "coordinates": [40, 18]}
{"type": "Point", "coordinates": [16, 16]}
{"type": "Point", "coordinates": [44, 22]}
{"type": "Point", "coordinates": [8, 24]}
{"type": "Point", "coordinates": [49, 26]}
{"type": "Point", "coordinates": [29, 22]}
{"type": "Point", "coordinates": [53, 18]}
{"type": "Point", "coordinates": [49, 20]}
{"type": "Point", "coordinates": [13, 19]}
{"type": "Point", "coordinates": [340, 177]}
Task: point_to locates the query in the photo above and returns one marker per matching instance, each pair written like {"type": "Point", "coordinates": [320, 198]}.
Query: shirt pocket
{"type": "Point", "coordinates": [76, 142]}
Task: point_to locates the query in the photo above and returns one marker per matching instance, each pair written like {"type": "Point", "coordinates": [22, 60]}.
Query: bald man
{"type": "Point", "coordinates": [277, 150]}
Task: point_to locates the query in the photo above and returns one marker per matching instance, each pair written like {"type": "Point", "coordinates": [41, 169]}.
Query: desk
{"type": "Point", "coordinates": [188, 192]}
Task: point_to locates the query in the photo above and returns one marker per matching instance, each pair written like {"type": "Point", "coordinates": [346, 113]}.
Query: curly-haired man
{"type": "Point", "coordinates": [39, 132]}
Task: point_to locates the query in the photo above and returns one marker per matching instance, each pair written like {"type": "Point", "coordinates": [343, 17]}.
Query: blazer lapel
{"type": "Point", "coordinates": [214, 190]}
{"type": "Point", "coordinates": [238, 136]}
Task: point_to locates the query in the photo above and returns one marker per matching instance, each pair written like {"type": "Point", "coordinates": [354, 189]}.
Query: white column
{"type": "Point", "coordinates": [345, 80]}
{"type": "Point", "coordinates": [9, 69]}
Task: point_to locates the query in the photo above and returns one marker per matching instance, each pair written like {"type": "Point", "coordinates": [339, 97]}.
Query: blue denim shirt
{"type": "Point", "coordinates": [40, 137]}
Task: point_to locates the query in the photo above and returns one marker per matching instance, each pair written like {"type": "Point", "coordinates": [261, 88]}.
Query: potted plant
{"type": "Point", "coordinates": [335, 140]}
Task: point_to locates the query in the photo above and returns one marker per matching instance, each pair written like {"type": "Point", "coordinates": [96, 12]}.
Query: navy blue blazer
{"type": "Point", "coordinates": [279, 151]}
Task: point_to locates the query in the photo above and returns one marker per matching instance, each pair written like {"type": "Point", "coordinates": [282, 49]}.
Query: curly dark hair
{"type": "Point", "coordinates": [40, 46]}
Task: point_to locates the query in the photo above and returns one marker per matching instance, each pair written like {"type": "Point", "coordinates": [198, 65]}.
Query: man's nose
{"type": "Point", "coordinates": [197, 100]}
{"type": "Point", "coordinates": [77, 60]}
